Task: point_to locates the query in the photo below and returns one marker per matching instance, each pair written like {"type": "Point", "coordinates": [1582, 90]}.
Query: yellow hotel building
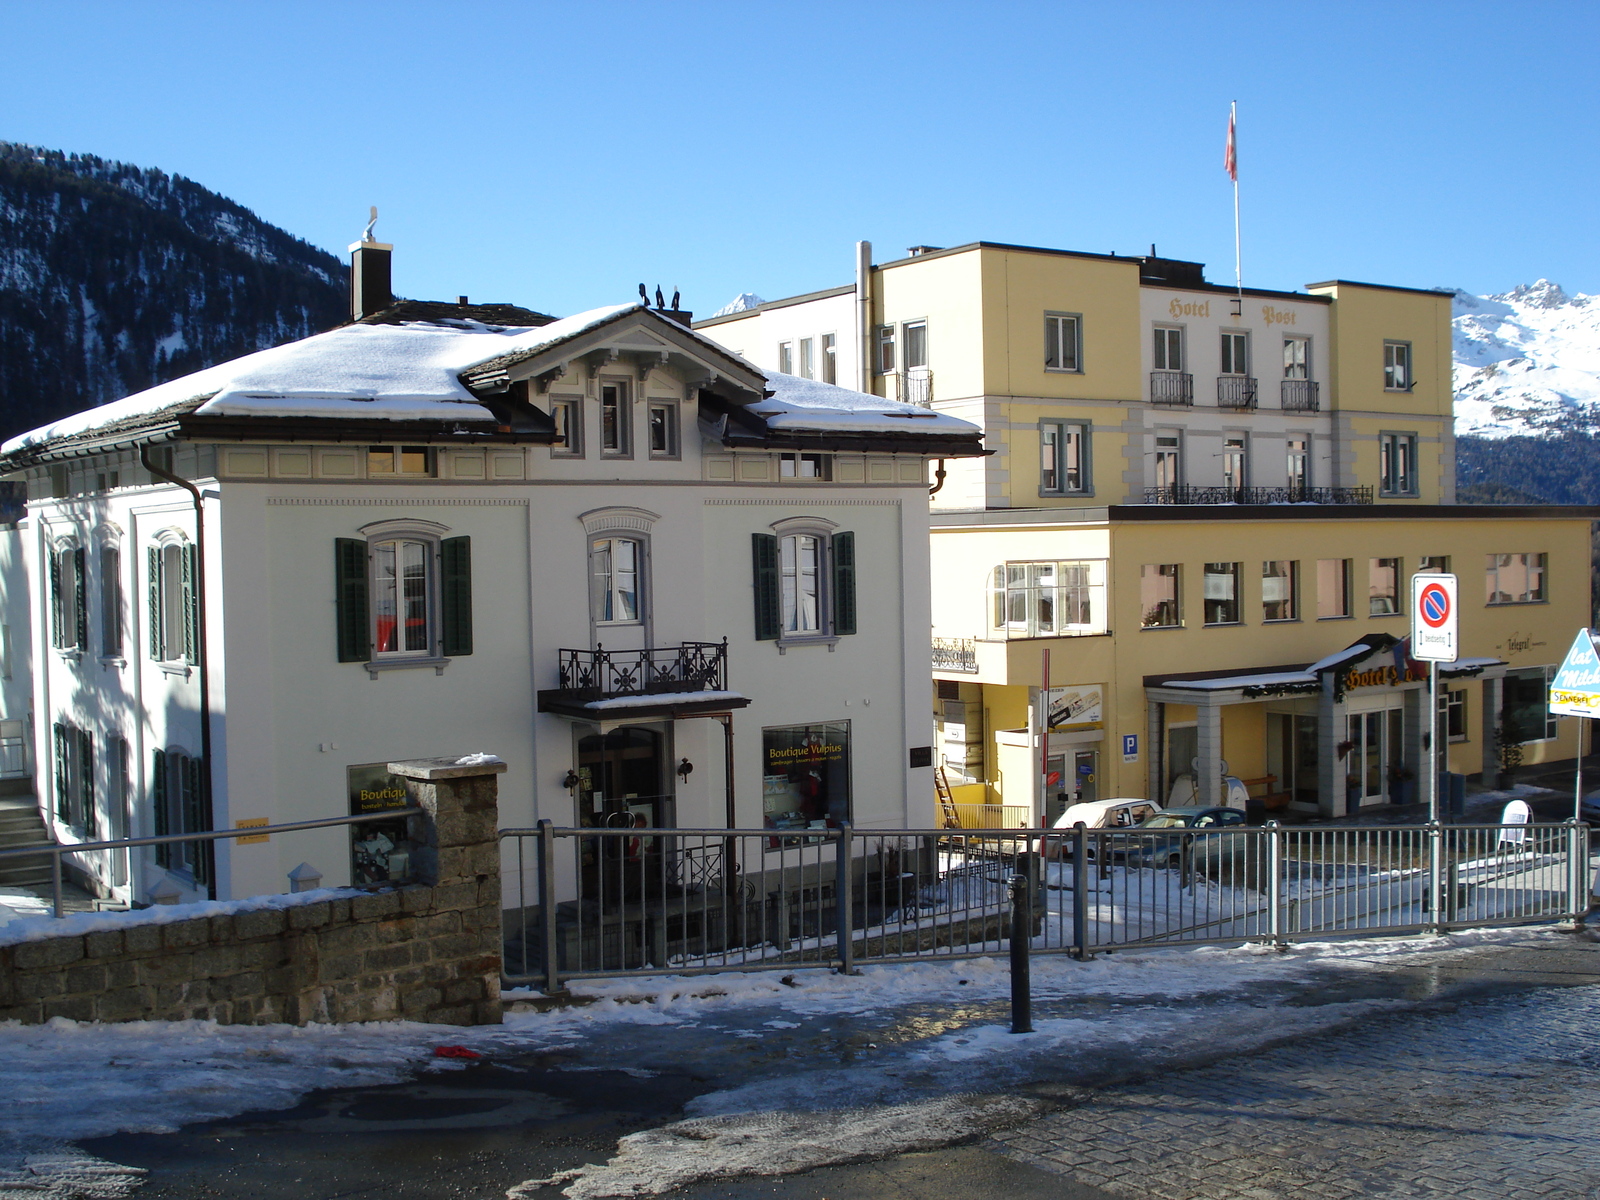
{"type": "Point", "coordinates": [1205, 507]}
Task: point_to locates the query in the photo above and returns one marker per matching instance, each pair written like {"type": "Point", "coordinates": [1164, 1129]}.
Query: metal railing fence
{"type": "Point", "coordinates": [57, 850]}
{"type": "Point", "coordinates": [592, 902]}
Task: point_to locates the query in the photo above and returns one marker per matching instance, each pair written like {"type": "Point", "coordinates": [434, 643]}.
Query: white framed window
{"type": "Point", "coordinates": [1168, 349]}
{"type": "Point", "coordinates": [111, 606]}
{"type": "Point", "coordinates": [1515, 579]}
{"type": "Point", "coordinates": [830, 358]}
{"type": "Point", "coordinates": [1333, 588]}
{"type": "Point", "coordinates": [1222, 593]}
{"type": "Point", "coordinates": [1235, 462]}
{"type": "Point", "coordinates": [1161, 595]}
{"type": "Point", "coordinates": [1397, 454]}
{"type": "Point", "coordinates": [1168, 459]}
{"type": "Point", "coordinates": [615, 569]}
{"type": "Point", "coordinates": [1397, 367]}
{"type": "Point", "coordinates": [1048, 599]}
{"type": "Point", "coordinates": [804, 581]}
{"type": "Point", "coordinates": [1435, 564]}
{"type": "Point", "coordinates": [1280, 590]}
{"type": "Point", "coordinates": [69, 611]}
{"type": "Point", "coordinates": [916, 344]}
{"type": "Point", "coordinates": [1235, 353]}
{"type": "Point", "coordinates": [1383, 587]}
{"type": "Point", "coordinates": [403, 595]}
{"type": "Point", "coordinates": [664, 429]}
{"type": "Point", "coordinates": [417, 462]}
{"type": "Point", "coordinates": [1064, 458]}
{"type": "Point", "coordinates": [1297, 358]}
{"type": "Point", "coordinates": [786, 357]}
{"type": "Point", "coordinates": [1297, 463]}
{"type": "Point", "coordinates": [616, 419]}
{"type": "Point", "coordinates": [883, 350]}
{"type": "Point", "coordinates": [808, 358]}
{"type": "Point", "coordinates": [1453, 714]}
{"type": "Point", "coordinates": [805, 466]}
{"type": "Point", "coordinates": [174, 613]}
{"type": "Point", "coordinates": [567, 413]}
{"type": "Point", "coordinates": [1063, 341]}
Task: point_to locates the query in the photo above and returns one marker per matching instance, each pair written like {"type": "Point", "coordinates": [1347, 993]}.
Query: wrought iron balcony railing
{"type": "Point", "coordinates": [955, 654]}
{"type": "Point", "coordinates": [1186, 494]}
{"type": "Point", "coordinates": [601, 674]}
{"type": "Point", "coordinates": [1236, 391]}
{"type": "Point", "coordinates": [1171, 387]}
{"type": "Point", "coordinates": [1299, 395]}
{"type": "Point", "coordinates": [914, 385]}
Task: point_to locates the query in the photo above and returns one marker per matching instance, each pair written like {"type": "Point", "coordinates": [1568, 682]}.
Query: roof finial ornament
{"type": "Point", "coordinates": [366, 234]}
{"type": "Point", "coordinates": [674, 299]}
{"type": "Point", "coordinates": [660, 301]}
{"type": "Point", "coordinates": [644, 296]}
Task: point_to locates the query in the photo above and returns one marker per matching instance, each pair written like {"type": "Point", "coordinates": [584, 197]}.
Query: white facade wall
{"type": "Point", "coordinates": [758, 336]}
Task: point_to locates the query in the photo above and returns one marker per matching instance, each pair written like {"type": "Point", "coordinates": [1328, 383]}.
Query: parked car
{"type": "Point", "coordinates": [1589, 810]}
{"type": "Point", "coordinates": [1160, 840]}
{"type": "Point", "coordinates": [1119, 813]}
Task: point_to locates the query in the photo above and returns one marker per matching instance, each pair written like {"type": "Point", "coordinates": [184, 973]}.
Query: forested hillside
{"type": "Point", "coordinates": [115, 277]}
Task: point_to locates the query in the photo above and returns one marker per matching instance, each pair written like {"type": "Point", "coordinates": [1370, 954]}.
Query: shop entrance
{"type": "Point", "coordinates": [1292, 755]}
{"type": "Point", "coordinates": [1372, 757]}
{"type": "Point", "coordinates": [621, 785]}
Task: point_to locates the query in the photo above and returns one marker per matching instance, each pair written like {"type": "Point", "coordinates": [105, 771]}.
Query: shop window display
{"type": "Point", "coordinates": [806, 776]}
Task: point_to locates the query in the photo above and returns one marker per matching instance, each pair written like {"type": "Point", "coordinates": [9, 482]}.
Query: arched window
{"type": "Point", "coordinates": [174, 615]}
{"type": "Point", "coordinates": [619, 565]}
{"type": "Point", "coordinates": [69, 609]}
{"type": "Point", "coordinates": [404, 594]}
{"type": "Point", "coordinates": [805, 581]}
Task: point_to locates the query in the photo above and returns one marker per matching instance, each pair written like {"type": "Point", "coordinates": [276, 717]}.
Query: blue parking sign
{"type": "Point", "coordinates": [1130, 747]}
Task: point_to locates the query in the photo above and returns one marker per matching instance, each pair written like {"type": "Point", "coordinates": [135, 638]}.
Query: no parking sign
{"type": "Point", "coordinates": [1433, 617]}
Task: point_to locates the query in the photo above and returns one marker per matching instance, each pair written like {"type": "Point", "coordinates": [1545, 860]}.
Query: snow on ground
{"type": "Point", "coordinates": [65, 1081]}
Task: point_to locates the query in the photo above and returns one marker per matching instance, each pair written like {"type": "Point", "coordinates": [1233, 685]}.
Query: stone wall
{"type": "Point", "coordinates": [427, 951]}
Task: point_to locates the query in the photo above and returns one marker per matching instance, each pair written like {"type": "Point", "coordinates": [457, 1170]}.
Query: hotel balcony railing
{"type": "Point", "coordinates": [601, 674]}
{"type": "Point", "coordinates": [1299, 395]}
{"type": "Point", "coordinates": [1184, 493]}
{"type": "Point", "coordinates": [1236, 391]}
{"type": "Point", "coordinates": [1171, 387]}
{"type": "Point", "coordinates": [914, 385]}
{"type": "Point", "coordinates": [955, 654]}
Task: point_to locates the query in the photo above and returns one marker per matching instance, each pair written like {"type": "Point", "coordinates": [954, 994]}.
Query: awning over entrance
{"type": "Point", "coordinates": [655, 706]}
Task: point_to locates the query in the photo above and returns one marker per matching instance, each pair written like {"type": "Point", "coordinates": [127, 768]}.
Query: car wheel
{"type": "Point", "coordinates": [1174, 861]}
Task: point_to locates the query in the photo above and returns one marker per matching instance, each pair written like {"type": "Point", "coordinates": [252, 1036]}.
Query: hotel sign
{"type": "Point", "coordinates": [1575, 691]}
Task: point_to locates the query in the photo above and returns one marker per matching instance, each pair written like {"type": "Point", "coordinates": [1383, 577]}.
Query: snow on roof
{"type": "Point", "coordinates": [366, 372]}
{"type": "Point", "coordinates": [807, 404]}
{"type": "Point", "coordinates": [1340, 657]}
{"type": "Point", "coordinates": [1263, 679]}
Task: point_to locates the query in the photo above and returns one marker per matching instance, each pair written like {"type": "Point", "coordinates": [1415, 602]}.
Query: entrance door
{"type": "Point", "coordinates": [621, 786]}
{"type": "Point", "coordinates": [1086, 774]}
{"type": "Point", "coordinates": [1183, 747]}
{"type": "Point", "coordinates": [1375, 748]}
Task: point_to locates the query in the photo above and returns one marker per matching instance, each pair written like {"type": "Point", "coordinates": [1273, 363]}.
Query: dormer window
{"type": "Point", "coordinates": [805, 466]}
{"type": "Point", "coordinates": [414, 461]}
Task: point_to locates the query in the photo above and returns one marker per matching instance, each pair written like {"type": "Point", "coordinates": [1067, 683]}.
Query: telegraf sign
{"type": "Point", "coordinates": [1575, 691]}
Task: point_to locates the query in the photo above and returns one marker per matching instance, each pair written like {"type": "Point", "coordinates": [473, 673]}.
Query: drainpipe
{"type": "Point", "coordinates": [200, 649]}
{"type": "Point", "coordinates": [864, 316]}
{"type": "Point", "coordinates": [938, 479]}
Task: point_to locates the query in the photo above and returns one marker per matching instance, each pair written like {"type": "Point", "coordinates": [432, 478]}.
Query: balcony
{"type": "Point", "coordinates": [1236, 391]}
{"type": "Point", "coordinates": [955, 654]}
{"type": "Point", "coordinates": [1171, 387]}
{"type": "Point", "coordinates": [1185, 494]}
{"type": "Point", "coordinates": [651, 682]}
{"type": "Point", "coordinates": [914, 385]}
{"type": "Point", "coordinates": [1299, 395]}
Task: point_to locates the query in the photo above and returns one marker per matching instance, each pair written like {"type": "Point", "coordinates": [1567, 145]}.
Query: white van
{"type": "Point", "coordinates": [1119, 813]}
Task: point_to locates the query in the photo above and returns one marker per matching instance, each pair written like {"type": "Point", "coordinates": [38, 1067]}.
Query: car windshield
{"type": "Point", "coordinates": [1163, 823]}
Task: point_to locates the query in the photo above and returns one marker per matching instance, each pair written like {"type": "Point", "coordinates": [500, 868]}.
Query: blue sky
{"type": "Point", "coordinates": [558, 154]}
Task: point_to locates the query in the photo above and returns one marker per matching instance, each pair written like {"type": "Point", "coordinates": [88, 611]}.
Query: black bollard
{"type": "Point", "coordinates": [1021, 938]}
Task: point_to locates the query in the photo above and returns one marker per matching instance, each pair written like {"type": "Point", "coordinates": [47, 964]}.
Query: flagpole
{"type": "Point", "coordinates": [1238, 268]}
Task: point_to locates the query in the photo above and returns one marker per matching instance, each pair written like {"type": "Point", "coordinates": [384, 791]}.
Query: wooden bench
{"type": "Point", "coordinates": [1270, 799]}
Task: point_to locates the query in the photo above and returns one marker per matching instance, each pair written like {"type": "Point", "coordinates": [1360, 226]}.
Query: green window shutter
{"type": "Point", "coordinates": [844, 583]}
{"type": "Point", "coordinates": [195, 818]}
{"type": "Point", "coordinates": [350, 591]}
{"type": "Point", "coordinates": [80, 601]}
{"type": "Point", "coordinates": [63, 774]}
{"type": "Point", "coordinates": [158, 801]}
{"type": "Point", "coordinates": [455, 592]}
{"type": "Point", "coordinates": [56, 631]}
{"type": "Point", "coordinates": [191, 606]}
{"type": "Point", "coordinates": [86, 758]}
{"type": "Point", "coordinates": [764, 552]}
{"type": "Point", "coordinates": [153, 557]}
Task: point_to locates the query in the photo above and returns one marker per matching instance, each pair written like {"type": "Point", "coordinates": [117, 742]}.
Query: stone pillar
{"type": "Point", "coordinates": [1208, 749]}
{"type": "Point", "coordinates": [458, 857]}
{"type": "Point", "coordinates": [1155, 749]}
{"type": "Point", "coordinates": [1330, 767]}
{"type": "Point", "coordinates": [1489, 715]}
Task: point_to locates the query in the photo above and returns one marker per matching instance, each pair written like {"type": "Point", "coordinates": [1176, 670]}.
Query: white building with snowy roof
{"type": "Point", "coordinates": [604, 548]}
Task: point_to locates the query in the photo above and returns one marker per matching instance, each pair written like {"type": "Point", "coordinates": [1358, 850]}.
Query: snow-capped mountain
{"type": "Point", "coordinates": [743, 302]}
{"type": "Point", "coordinates": [115, 277]}
{"type": "Point", "coordinates": [1527, 363]}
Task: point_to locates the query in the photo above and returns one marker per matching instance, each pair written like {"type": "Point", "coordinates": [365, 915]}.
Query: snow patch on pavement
{"type": "Point", "coordinates": [58, 1171]}
{"type": "Point", "coordinates": [780, 1143]}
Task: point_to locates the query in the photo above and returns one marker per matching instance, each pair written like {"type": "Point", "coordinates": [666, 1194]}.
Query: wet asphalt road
{"type": "Point", "coordinates": [476, 1132]}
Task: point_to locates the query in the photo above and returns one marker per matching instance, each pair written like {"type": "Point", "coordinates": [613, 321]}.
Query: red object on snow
{"type": "Point", "coordinates": [454, 1052]}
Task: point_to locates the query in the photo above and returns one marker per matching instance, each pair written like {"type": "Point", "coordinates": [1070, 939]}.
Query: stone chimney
{"type": "Point", "coordinates": [371, 288]}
